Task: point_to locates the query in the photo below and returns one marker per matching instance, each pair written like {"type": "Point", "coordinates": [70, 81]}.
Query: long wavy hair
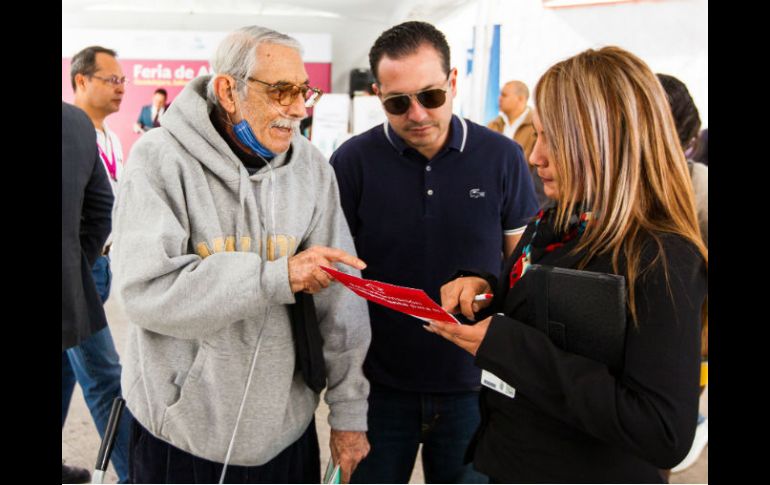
{"type": "Point", "coordinates": [615, 148]}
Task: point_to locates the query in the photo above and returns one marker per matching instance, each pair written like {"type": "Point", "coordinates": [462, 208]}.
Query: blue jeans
{"type": "Point", "coordinates": [399, 421]}
{"type": "Point", "coordinates": [96, 367]}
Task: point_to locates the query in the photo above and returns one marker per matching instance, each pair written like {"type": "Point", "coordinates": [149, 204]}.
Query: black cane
{"type": "Point", "coordinates": [108, 440]}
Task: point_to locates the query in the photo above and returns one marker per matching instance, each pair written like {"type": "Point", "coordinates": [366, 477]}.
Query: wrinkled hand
{"type": "Point", "coordinates": [458, 294]}
{"type": "Point", "coordinates": [348, 449]}
{"type": "Point", "coordinates": [467, 337]}
{"type": "Point", "coordinates": [305, 274]}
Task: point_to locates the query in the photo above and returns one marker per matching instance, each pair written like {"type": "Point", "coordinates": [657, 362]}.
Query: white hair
{"type": "Point", "coordinates": [236, 55]}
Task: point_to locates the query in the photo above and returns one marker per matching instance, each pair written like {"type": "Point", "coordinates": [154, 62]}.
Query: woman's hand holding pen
{"type": "Point", "coordinates": [466, 295]}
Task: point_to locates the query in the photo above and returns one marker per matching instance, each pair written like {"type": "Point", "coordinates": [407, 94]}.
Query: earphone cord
{"type": "Point", "coordinates": [243, 399]}
{"type": "Point", "coordinates": [259, 338]}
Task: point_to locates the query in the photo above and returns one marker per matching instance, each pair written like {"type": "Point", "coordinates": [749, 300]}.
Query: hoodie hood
{"type": "Point", "coordinates": [188, 119]}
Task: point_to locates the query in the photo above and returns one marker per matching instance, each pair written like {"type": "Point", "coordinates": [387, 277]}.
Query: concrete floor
{"type": "Point", "coordinates": [80, 440]}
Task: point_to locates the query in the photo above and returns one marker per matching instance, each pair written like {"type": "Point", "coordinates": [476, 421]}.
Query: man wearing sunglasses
{"type": "Point", "coordinates": [425, 194]}
{"type": "Point", "coordinates": [224, 216]}
{"type": "Point", "coordinates": [98, 82]}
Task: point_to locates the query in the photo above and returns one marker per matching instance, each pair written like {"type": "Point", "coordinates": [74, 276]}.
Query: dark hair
{"type": "Point", "coordinates": [84, 62]}
{"type": "Point", "coordinates": [686, 117]}
{"type": "Point", "coordinates": [161, 91]}
{"type": "Point", "coordinates": [701, 153]}
{"type": "Point", "coordinates": [405, 39]}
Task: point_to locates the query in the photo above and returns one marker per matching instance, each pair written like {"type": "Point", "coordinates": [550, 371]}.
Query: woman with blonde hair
{"type": "Point", "coordinates": [622, 203]}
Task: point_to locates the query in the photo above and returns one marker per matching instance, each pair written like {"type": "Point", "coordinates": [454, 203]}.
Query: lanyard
{"type": "Point", "coordinates": [111, 164]}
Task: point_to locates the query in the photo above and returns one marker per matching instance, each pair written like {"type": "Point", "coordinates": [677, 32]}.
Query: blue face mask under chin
{"type": "Point", "coordinates": [246, 136]}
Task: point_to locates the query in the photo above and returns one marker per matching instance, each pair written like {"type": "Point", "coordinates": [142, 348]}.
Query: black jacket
{"type": "Point", "coordinates": [572, 419]}
{"type": "Point", "coordinates": [86, 206]}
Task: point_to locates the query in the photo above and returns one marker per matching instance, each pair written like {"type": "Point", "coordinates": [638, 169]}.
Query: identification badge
{"type": "Point", "coordinates": [495, 383]}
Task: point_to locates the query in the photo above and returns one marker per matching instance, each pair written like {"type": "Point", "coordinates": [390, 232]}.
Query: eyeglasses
{"type": "Point", "coordinates": [399, 104]}
{"type": "Point", "coordinates": [285, 93]}
{"type": "Point", "coordinates": [114, 80]}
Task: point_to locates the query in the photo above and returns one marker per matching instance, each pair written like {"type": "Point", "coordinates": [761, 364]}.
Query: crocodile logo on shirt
{"type": "Point", "coordinates": [476, 194]}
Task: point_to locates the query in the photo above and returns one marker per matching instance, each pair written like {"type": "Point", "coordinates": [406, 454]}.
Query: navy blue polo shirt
{"type": "Point", "coordinates": [415, 222]}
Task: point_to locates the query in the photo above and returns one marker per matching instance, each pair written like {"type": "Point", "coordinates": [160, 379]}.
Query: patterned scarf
{"type": "Point", "coordinates": [545, 240]}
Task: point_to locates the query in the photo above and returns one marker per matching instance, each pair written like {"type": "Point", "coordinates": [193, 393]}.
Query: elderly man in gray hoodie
{"type": "Point", "coordinates": [223, 217]}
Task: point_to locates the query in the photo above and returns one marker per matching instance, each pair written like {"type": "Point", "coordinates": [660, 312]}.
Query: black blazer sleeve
{"type": "Point", "coordinates": [651, 408]}
{"type": "Point", "coordinates": [86, 223]}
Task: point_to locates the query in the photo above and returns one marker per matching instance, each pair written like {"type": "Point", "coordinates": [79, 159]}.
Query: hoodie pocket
{"type": "Point", "coordinates": [202, 420]}
{"type": "Point", "coordinates": [186, 390]}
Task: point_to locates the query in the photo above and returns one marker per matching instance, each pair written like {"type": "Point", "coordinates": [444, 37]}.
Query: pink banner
{"type": "Point", "coordinates": [145, 76]}
{"type": "Point", "coordinates": [402, 299]}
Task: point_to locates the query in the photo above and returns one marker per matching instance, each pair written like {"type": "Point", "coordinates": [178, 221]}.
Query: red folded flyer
{"type": "Point", "coordinates": [411, 301]}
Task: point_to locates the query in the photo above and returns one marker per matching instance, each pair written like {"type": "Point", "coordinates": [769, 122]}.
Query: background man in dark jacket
{"type": "Point", "coordinates": [99, 85]}
{"type": "Point", "coordinates": [86, 222]}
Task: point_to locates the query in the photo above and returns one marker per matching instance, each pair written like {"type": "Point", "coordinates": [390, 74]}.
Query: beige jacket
{"type": "Point", "coordinates": [524, 136]}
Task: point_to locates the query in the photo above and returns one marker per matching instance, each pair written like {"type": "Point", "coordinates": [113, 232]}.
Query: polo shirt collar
{"type": "Point", "coordinates": [458, 136]}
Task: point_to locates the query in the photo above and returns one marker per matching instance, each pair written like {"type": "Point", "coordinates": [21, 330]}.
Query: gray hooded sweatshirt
{"type": "Point", "coordinates": [200, 264]}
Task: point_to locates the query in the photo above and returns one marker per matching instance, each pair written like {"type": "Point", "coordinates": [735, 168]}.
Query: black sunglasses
{"type": "Point", "coordinates": [429, 99]}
